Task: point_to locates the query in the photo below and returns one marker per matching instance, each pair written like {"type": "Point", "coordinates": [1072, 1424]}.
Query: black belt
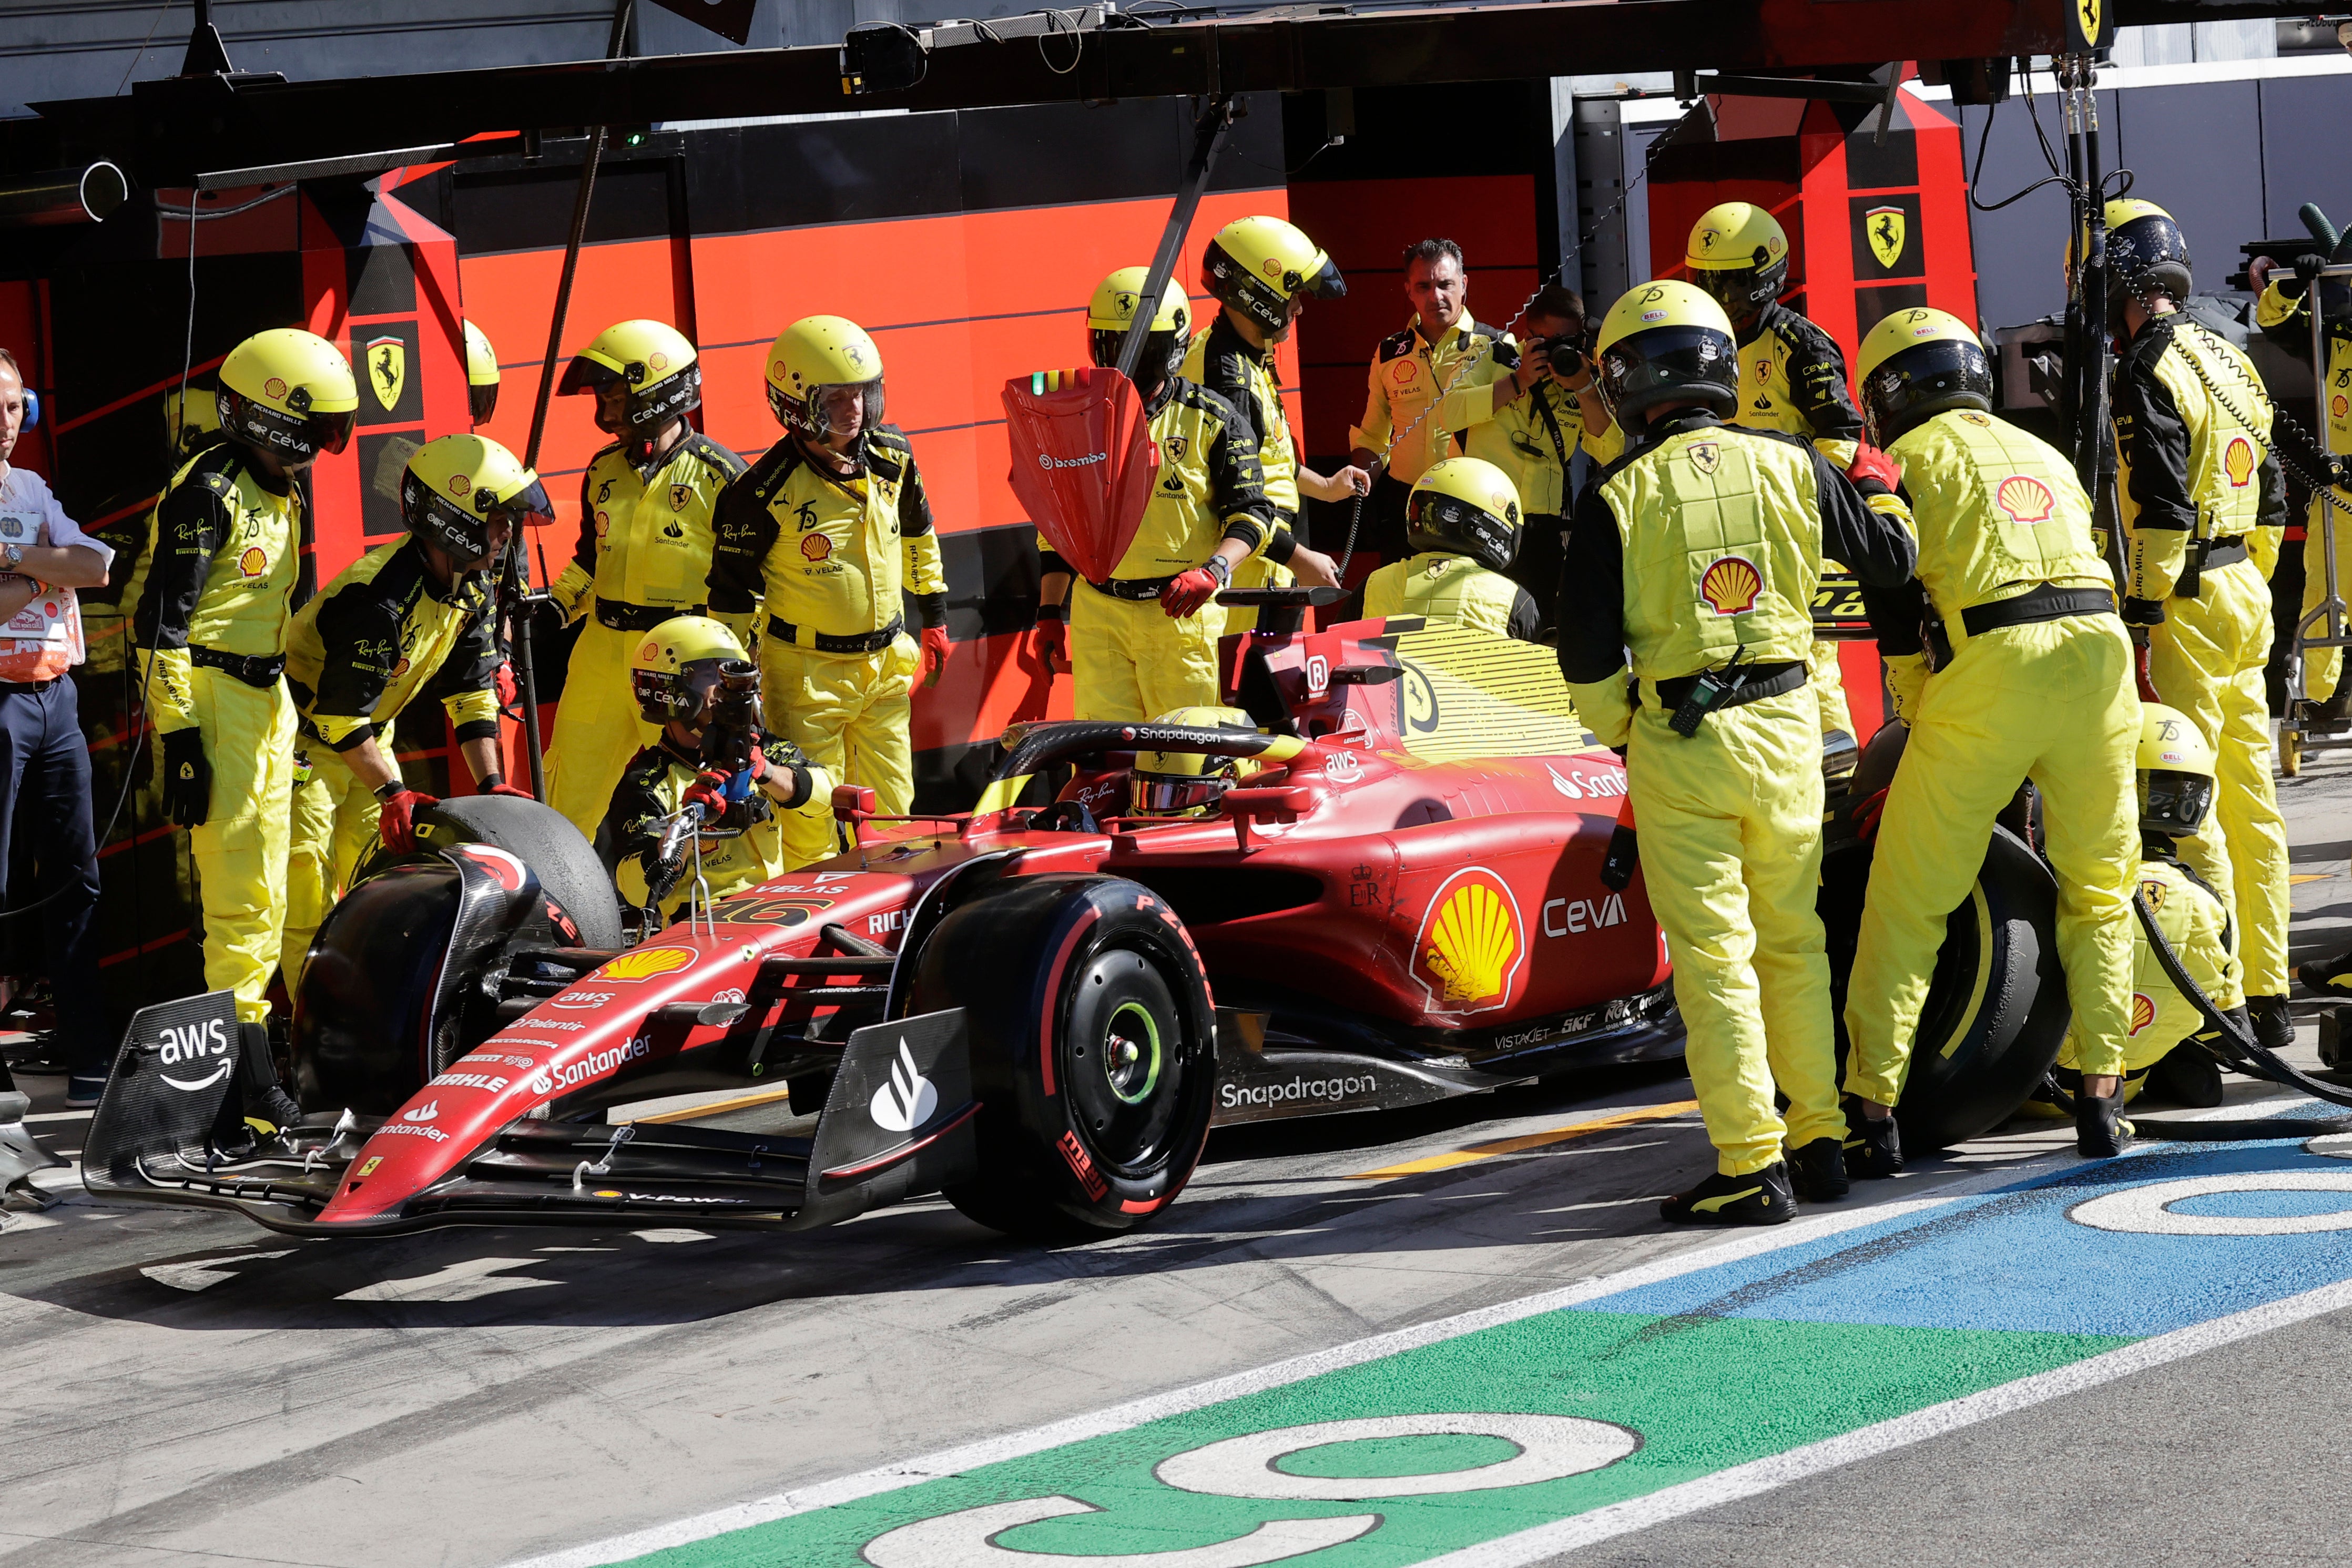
{"type": "Point", "coordinates": [260, 671]}
{"type": "Point", "coordinates": [1134, 588]}
{"type": "Point", "coordinates": [621, 616]}
{"type": "Point", "coordinates": [2043, 603]}
{"type": "Point", "coordinates": [19, 688]}
{"type": "Point", "coordinates": [864, 642]}
{"type": "Point", "coordinates": [2223, 551]}
{"type": "Point", "coordinates": [1768, 680]}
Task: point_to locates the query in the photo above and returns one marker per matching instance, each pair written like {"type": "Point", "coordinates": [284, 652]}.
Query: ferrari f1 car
{"type": "Point", "coordinates": [1038, 1011]}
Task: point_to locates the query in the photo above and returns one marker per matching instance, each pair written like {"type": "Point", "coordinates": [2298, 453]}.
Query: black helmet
{"type": "Point", "coordinates": [1464, 506]}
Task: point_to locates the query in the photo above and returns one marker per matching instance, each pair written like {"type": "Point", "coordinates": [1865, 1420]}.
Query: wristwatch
{"type": "Point", "coordinates": [14, 554]}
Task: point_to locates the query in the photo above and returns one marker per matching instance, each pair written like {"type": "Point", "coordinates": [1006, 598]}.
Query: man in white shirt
{"type": "Point", "coordinates": [45, 805]}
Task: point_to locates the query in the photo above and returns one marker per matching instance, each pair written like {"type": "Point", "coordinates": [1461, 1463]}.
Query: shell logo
{"type": "Point", "coordinates": [1469, 954]}
{"type": "Point", "coordinates": [459, 484]}
{"type": "Point", "coordinates": [648, 961]}
{"type": "Point", "coordinates": [1730, 585]}
{"type": "Point", "coordinates": [1400, 372]}
{"type": "Point", "coordinates": [1271, 267]}
{"type": "Point", "coordinates": [254, 564]}
{"type": "Point", "coordinates": [658, 360]}
{"type": "Point", "coordinates": [2337, 406]}
{"type": "Point", "coordinates": [2143, 1011]}
{"type": "Point", "coordinates": [273, 387]}
{"type": "Point", "coordinates": [648, 652]}
{"type": "Point", "coordinates": [816, 546]}
{"type": "Point", "coordinates": [2025, 499]}
{"type": "Point", "coordinates": [2238, 461]}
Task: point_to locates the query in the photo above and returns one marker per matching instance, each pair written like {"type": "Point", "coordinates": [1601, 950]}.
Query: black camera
{"type": "Point", "coordinates": [1565, 352]}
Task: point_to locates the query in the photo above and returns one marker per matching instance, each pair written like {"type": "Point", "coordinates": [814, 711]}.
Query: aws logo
{"type": "Point", "coordinates": [197, 1045]}
{"type": "Point", "coordinates": [1469, 952]}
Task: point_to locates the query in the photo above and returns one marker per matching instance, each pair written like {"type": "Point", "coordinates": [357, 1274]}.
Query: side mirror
{"type": "Point", "coordinates": [852, 804]}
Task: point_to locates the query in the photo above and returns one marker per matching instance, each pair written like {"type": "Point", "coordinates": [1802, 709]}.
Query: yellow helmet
{"type": "Point", "coordinates": [1919, 363]}
{"type": "Point", "coordinates": [2146, 252]}
{"type": "Point", "coordinates": [653, 360]}
{"type": "Point", "coordinates": [1739, 253]}
{"type": "Point", "coordinates": [1260, 264]}
{"type": "Point", "coordinates": [2175, 772]}
{"type": "Point", "coordinates": [1112, 310]}
{"type": "Point", "coordinates": [466, 493]}
{"type": "Point", "coordinates": [289, 392]}
{"type": "Point", "coordinates": [678, 662]}
{"type": "Point", "coordinates": [481, 375]}
{"type": "Point", "coordinates": [1187, 784]}
{"type": "Point", "coordinates": [1663, 342]}
{"type": "Point", "coordinates": [812, 357]}
{"type": "Point", "coordinates": [188, 417]}
{"type": "Point", "coordinates": [1465, 506]}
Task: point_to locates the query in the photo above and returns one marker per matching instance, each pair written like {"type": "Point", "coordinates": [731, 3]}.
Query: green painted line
{"type": "Point", "coordinates": [1702, 1393]}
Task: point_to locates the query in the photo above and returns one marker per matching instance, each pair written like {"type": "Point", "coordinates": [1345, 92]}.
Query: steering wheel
{"type": "Point", "coordinates": [1064, 817]}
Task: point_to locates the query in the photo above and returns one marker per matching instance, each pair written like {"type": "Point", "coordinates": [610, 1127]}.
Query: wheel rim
{"type": "Point", "coordinates": [1123, 1059]}
{"type": "Point", "coordinates": [1132, 1054]}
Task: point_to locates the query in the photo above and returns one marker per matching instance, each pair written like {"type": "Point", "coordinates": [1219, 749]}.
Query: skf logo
{"type": "Point", "coordinates": [1704, 456]}
{"type": "Point", "coordinates": [1567, 917]}
{"type": "Point", "coordinates": [2143, 1011]}
{"type": "Point", "coordinates": [1888, 227]}
{"type": "Point", "coordinates": [2238, 461]}
{"type": "Point", "coordinates": [1730, 585]}
{"type": "Point", "coordinates": [2024, 499]}
{"type": "Point", "coordinates": [195, 1044]}
{"type": "Point", "coordinates": [1468, 956]}
{"type": "Point", "coordinates": [648, 962]}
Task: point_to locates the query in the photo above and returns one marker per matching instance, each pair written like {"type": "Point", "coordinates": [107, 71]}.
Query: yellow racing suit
{"type": "Point", "coordinates": [643, 555]}
{"type": "Point", "coordinates": [1701, 545]}
{"type": "Point", "coordinates": [1792, 378]}
{"type": "Point", "coordinates": [2197, 926]}
{"type": "Point", "coordinates": [2037, 684]}
{"type": "Point", "coordinates": [1225, 362]}
{"type": "Point", "coordinates": [1452, 591]}
{"type": "Point", "coordinates": [832, 559]}
{"type": "Point", "coordinates": [373, 638]}
{"type": "Point", "coordinates": [223, 551]}
{"type": "Point", "coordinates": [2288, 321]}
{"type": "Point", "coordinates": [1533, 438]}
{"type": "Point", "coordinates": [2197, 481]}
{"type": "Point", "coordinates": [1418, 398]}
{"type": "Point", "coordinates": [756, 841]}
{"type": "Point", "coordinates": [1129, 658]}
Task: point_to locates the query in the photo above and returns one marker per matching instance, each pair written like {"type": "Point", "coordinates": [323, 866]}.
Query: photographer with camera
{"type": "Point", "coordinates": [759, 807]}
{"type": "Point", "coordinates": [1548, 407]}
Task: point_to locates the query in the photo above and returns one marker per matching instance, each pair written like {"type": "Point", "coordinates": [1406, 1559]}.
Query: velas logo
{"type": "Point", "coordinates": [2143, 1011]}
{"type": "Point", "coordinates": [908, 1099]}
{"type": "Point", "coordinates": [1730, 585]}
{"type": "Point", "coordinates": [648, 961]}
{"type": "Point", "coordinates": [2239, 461]}
{"type": "Point", "coordinates": [503, 867]}
{"type": "Point", "coordinates": [2024, 499]}
{"type": "Point", "coordinates": [254, 564]}
{"type": "Point", "coordinates": [1469, 954]}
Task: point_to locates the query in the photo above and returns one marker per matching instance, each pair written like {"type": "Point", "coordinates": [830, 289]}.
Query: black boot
{"type": "Point", "coordinates": [1762, 1197]}
{"type": "Point", "coordinates": [2328, 976]}
{"type": "Point", "coordinates": [1873, 1146]}
{"type": "Point", "coordinates": [266, 1101]}
{"type": "Point", "coordinates": [1817, 1171]}
{"type": "Point", "coordinates": [2187, 1075]}
{"type": "Point", "coordinates": [2100, 1131]}
{"type": "Point", "coordinates": [2273, 1026]}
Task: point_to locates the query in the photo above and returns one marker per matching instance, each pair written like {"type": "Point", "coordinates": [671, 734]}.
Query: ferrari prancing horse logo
{"type": "Point", "coordinates": [387, 370]}
{"type": "Point", "coordinates": [1887, 229]}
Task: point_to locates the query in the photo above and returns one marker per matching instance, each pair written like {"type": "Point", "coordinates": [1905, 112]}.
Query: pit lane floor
{"type": "Point", "coordinates": [1957, 1367]}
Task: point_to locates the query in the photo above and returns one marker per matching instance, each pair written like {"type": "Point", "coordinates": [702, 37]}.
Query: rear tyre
{"type": "Point", "coordinates": [1093, 1052]}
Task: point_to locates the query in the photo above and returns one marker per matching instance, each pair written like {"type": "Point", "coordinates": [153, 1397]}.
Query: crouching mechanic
{"type": "Point", "coordinates": [832, 532]}
{"type": "Point", "coordinates": [646, 506]}
{"type": "Point", "coordinates": [1698, 552]}
{"type": "Point", "coordinates": [409, 617]}
{"type": "Point", "coordinates": [224, 552]}
{"type": "Point", "coordinates": [763, 808]}
{"type": "Point", "coordinates": [1144, 641]}
{"type": "Point", "coordinates": [2033, 680]}
{"type": "Point", "coordinates": [1462, 522]}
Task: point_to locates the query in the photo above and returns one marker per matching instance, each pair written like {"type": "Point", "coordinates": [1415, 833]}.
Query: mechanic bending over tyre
{"type": "Point", "coordinates": [759, 807]}
{"type": "Point", "coordinates": [1144, 641]}
{"type": "Point", "coordinates": [407, 617]}
{"type": "Point", "coordinates": [830, 532]}
{"type": "Point", "coordinates": [223, 551]}
{"type": "Point", "coordinates": [1462, 522]}
{"type": "Point", "coordinates": [2204, 509]}
{"type": "Point", "coordinates": [2006, 659]}
{"type": "Point", "coordinates": [2176, 791]}
{"type": "Point", "coordinates": [1697, 553]}
{"type": "Point", "coordinates": [1262, 272]}
{"type": "Point", "coordinates": [645, 509]}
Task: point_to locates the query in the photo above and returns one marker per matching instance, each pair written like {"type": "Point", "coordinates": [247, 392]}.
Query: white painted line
{"type": "Point", "coordinates": [1764, 1475]}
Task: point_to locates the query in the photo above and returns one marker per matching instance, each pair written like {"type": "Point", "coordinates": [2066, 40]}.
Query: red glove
{"type": "Point", "coordinates": [1866, 815]}
{"type": "Point", "coordinates": [1187, 590]}
{"type": "Point", "coordinates": [707, 791]}
{"type": "Point", "coordinates": [1050, 644]}
{"type": "Point", "coordinates": [2140, 674]}
{"type": "Point", "coordinates": [397, 819]}
{"type": "Point", "coordinates": [1870, 463]}
{"type": "Point", "coordinates": [761, 767]}
{"type": "Point", "coordinates": [935, 648]}
{"type": "Point", "coordinates": [502, 787]}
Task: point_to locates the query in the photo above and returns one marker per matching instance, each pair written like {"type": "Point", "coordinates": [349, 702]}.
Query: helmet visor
{"type": "Point", "coordinates": [843, 409]}
{"type": "Point", "coordinates": [2174, 803]}
{"type": "Point", "coordinates": [1323, 283]}
{"type": "Point", "coordinates": [584, 375]}
{"type": "Point", "coordinates": [527, 509]}
{"type": "Point", "coordinates": [1926, 379]}
{"type": "Point", "coordinates": [331, 432]}
{"type": "Point", "coordinates": [1160, 795]}
{"type": "Point", "coordinates": [481, 402]}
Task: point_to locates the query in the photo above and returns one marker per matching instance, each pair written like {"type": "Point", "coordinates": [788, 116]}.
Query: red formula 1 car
{"type": "Point", "coordinates": [1040, 1012]}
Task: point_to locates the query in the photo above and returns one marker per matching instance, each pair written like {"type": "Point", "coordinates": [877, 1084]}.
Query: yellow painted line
{"type": "Point", "coordinates": [696, 1112]}
{"type": "Point", "coordinates": [1527, 1141]}
{"type": "Point", "coordinates": [2296, 877]}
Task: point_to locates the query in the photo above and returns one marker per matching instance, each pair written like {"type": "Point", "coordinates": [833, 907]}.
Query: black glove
{"type": "Point", "coordinates": [2307, 267]}
{"type": "Point", "coordinates": [187, 778]}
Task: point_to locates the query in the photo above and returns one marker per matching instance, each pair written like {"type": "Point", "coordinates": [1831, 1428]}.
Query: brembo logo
{"type": "Point", "coordinates": [1049, 461]}
{"type": "Point", "coordinates": [195, 1043]}
{"type": "Point", "coordinates": [906, 1101]}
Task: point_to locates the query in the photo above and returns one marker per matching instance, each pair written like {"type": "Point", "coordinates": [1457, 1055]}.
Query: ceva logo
{"type": "Point", "coordinates": [906, 1101]}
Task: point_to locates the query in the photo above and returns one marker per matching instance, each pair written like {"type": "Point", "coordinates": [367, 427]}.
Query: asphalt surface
{"type": "Point", "coordinates": [185, 1389]}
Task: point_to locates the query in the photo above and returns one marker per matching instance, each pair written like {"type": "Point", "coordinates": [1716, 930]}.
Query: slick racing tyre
{"type": "Point", "coordinates": [582, 910]}
{"type": "Point", "coordinates": [1093, 1052]}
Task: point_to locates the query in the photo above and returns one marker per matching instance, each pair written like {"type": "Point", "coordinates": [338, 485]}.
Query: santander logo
{"type": "Point", "coordinates": [906, 1101]}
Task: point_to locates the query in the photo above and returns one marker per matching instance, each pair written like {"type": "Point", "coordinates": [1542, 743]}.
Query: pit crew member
{"type": "Point", "coordinates": [1462, 523]}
